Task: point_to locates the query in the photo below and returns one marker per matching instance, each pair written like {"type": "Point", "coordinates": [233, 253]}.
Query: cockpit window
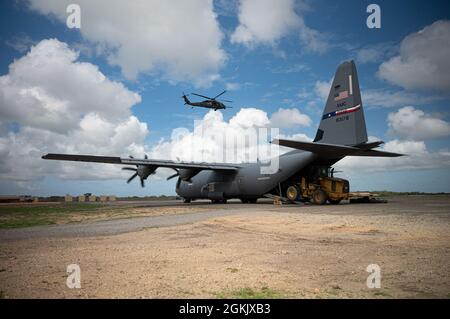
{"type": "Point", "coordinates": [324, 171]}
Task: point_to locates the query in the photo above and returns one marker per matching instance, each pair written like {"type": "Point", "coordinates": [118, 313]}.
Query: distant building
{"type": "Point", "coordinates": [16, 199]}
{"type": "Point", "coordinates": [9, 199]}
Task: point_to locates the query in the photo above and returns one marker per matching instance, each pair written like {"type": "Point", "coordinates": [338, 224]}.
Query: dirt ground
{"type": "Point", "coordinates": [292, 251]}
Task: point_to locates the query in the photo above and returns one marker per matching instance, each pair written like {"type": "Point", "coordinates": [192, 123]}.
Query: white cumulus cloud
{"type": "Point", "coordinates": [179, 39]}
{"type": "Point", "coordinates": [60, 105]}
{"type": "Point", "coordinates": [411, 123]}
{"type": "Point", "coordinates": [267, 21]}
{"type": "Point", "coordinates": [264, 21]}
{"type": "Point", "coordinates": [48, 88]}
{"type": "Point", "coordinates": [289, 118]}
{"type": "Point", "coordinates": [243, 138]}
{"type": "Point", "coordinates": [423, 62]}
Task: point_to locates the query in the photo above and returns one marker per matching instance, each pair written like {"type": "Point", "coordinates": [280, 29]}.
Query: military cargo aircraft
{"type": "Point", "coordinates": [342, 132]}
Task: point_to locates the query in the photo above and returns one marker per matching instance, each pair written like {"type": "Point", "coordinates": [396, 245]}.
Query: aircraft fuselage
{"type": "Point", "coordinates": [247, 182]}
{"type": "Point", "coordinates": [208, 104]}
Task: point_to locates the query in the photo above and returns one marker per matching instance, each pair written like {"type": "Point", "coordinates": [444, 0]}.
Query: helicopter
{"type": "Point", "coordinates": [210, 103]}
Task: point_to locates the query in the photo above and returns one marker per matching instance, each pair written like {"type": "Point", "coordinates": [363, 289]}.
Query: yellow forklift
{"type": "Point", "coordinates": [318, 187]}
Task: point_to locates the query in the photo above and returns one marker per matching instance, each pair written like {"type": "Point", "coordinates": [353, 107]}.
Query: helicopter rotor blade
{"type": "Point", "coordinates": [226, 101]}
{"type": "Point", "coordinates": [206, 97]}
{"type": "Point", "coordinates": [218, 95]}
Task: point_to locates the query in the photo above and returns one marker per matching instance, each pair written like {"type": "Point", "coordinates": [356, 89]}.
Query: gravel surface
{"type": "Point", "coordinates": [293, 251]}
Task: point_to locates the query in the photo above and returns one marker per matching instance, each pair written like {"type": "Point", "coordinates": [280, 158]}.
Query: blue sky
{"type": "Point", "coordinates": [262, 71]}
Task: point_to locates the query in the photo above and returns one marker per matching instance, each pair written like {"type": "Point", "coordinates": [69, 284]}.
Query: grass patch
{"type": "Point", "coordinates": [381, 293]}
{"type": "Point", "coordinates": [249, 293]}
{"type": "Point", "coordinates": [35, 215]}
{"type": "Point", "coordinates": [232, 270]}
{"type": "Point", "coordinates": [55, 208]}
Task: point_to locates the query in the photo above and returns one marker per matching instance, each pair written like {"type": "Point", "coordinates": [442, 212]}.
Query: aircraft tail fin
{"type": "Point", "coordinates": [343, 120]}
{"type": "Point", "coordinates": [342, 130]}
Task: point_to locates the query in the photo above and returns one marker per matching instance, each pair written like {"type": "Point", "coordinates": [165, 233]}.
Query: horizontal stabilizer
{"type": "Point", "coordinates": [332, 150]}
{"type": "Point", "coordinates": [376, 153]}
{"type": "Point", "coordinates": [369, 146]}
{"type": "Point", "coordinates": [318, 148]}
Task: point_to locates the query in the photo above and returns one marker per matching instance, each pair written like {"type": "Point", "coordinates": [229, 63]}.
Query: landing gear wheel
{"type": "Point", "coordinates": [186, 200]}
{"type": "Point", "coordinates": [319, 197]}
{"type": "Point", "coordinates": [293, 193]}
{"type": "Point", "coordinates": [218, 201]}
{"type": "Point", "coordinates": [334, 202]}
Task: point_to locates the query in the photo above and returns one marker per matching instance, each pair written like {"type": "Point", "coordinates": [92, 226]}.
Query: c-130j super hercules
{"type": "Point", "coordinates": [303, 173]}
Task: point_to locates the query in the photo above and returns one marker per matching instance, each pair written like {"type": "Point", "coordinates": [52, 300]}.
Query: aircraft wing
{"type": "Point", "coordinates": [336, 150]}
{"type": "Point", "coordinates": [135, 161]}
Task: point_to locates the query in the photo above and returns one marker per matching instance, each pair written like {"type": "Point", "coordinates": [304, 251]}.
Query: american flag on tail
{"type": "Point", "coordinates": [341, 95]}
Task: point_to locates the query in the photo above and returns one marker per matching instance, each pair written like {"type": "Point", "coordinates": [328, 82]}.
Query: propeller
{"type": "Point", "coordinates": [185, 174]}
{"type": "Point", "coordinates": [143, 171]}
{"type": "Point", "coordinates": [174, 175]}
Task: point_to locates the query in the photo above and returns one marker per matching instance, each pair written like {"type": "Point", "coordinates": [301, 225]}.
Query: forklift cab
{"type": "Point", "coordinates": [320, 171]}
{"type": "Point", "coordinates": [325, 171]}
